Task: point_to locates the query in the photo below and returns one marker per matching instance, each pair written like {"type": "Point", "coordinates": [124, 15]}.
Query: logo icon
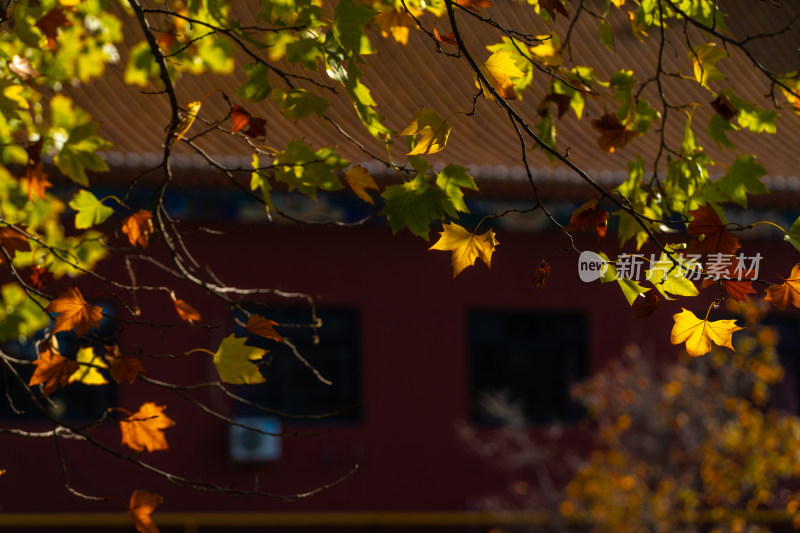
{"type": "Point", "coordinates": [591, 266]}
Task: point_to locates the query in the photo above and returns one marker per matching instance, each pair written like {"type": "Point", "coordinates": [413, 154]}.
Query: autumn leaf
{"type": "Point", "coordinates": [613, 134]}
{"type": "Point", "coordinates": [21, 66]}
{"type": "Point", "coordinates": [240, 118]}
{"type": "Point", "coordinates": [699, 334]}
{"type": "Point", "coordinates": [36, 180]}
{"type": "Point", "coordinates": [140, 508]}
{"type": "Point", "coordinates": [445, 38]}
{"type": "Point", "coordinates": [787, 292]}
{"type": "Point", "coordinates": [192, 108]}
{"type": "Point", "coordinates": [432, 129]}
{"type": "Point", "coordinates": [562, 102]}
{"type": "Point", "coordinates": [50, 23]}
{"type": "Point", "coordinates": [52, 370]}
{"type": "Point", "coordinates": [466, 246]}
{"type": "Point", "coordinates": [12, 242]}
{"type": "Point", "coordinates": [589, 216]}
{"type": "Point", "coordinates": [542, 271]}
{"type": "Point", "coordinates": [474, 5]}
{"type": "Point", "coordinates": [738, 289]}
{"type": "Point", "coordinates": [186, 312]}
{"type": "Point", "coordinates": [645, 306]}
{"type": "Point", "coordinates": [263, 327]}
{"type": "Point", "coordinates": [359, 180]}
{"type": "Point", "coordinates": [90, 211]}
{"type": "Point", "coordinates": [138, 227]}
{"type": "Point", "coordinates": [234, 361]}
{"type": "Point", "coordinates": [704, 59]}
{"type": "Point", "coordinates": [722, 104]}
{"type": "Point", "coordinates": [717, 239]}
{"type": "Point", "coordinates": [123, 368]}
{"type": "Point", "coordinates": [39, 277]}
{"type": "Point", "coordinates": [144, 430]}
{"type": "Point", "coordinates": [499, 69]}
{"type": "Point", "coordinates": [553, 7]}
{"type": "Point", "coordinates": [394, 22]}
{"type": "Point", "coordinates": [74, 312]}
{"type": "Point", "coordinates": [88, 372]}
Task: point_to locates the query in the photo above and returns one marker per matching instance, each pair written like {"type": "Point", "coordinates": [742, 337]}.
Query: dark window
{"type": "Point", "coordinates": [530, 358]}
{"type": "Point", "coordinates": [75, 403]}
{"type": "Point", "coordinates": [786, 395]}
{"type": "Point", "coordinates": [333, 349]}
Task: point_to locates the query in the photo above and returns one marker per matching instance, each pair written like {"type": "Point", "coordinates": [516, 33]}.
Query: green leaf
{"type": "Point", "coordinates": [606, 35]}
{"type": "Point", "coordinates": [78, 154]}
{"type": "Point", "coordinates": [304, 51]}
{"type": "Point", "coordinates": [546, 128]}
{"type": "Point", "coordinates": [234, 361]}
{"type": "Point", "coordinates": [306, 170]}
{"type": "Point", "coordinates": [718, 129]}
{"type": "Point", "coordinates": [704, 59]}
{"type": "Point", "coordinates": [348, 19]}
{"type": "Point", "coordinates": [688, 144]}
{"type": "Point", "coordinates": [141, 66]}
{"type": "Point", "coordinates": [413, 204]}
{"type": "Point", "coordinates": [299, 103]}
{"type": "Point", "coordinates": [90, 210]}
{"type": "Point", "coordinates": [260, 181]}
{"type": "Point", "coordinates": [451, 180]}
{"type": "Point", "coordinates": [758, 120]}
{"type": "Point", "coordinates": [630, 288]}
{"type": "Point", "coordinates": [793, 237]}
{"type": "Point", "coordinates": [364, 104]}
{"type": "Point", "coordinates": [257, 87]}
{"type": "Point", "coordinates": [20, 316]}
{"type": "Point", "coordinates": [742, 178]}
{"type": "Point", "coordinates": [216, 54]}
{"type": "Point", "coordinates": [645, 116]}
{"type": "Point", "coordinates": [668, 278]}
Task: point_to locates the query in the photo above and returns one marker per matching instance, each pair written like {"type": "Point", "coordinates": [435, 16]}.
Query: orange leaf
{"type": "Point", "coordinates": [75, 312]}
{"type": "Point", "coordinates": [39, 277]}
{"type": "Point", "coordinates": [643, 307]}
{"type": "Point", "coordinates": [144, 430]}
{"type": "Point", "coordinates": [142, 504]}
{"type": "Point", "coordinates": [613, 134]}
{"type": "Point", "coordinates": [52, 370]}
{"type": "Point", "coordinates": [474, 5]}
{"type": "Point", "coordinates": [186, 312]}
{"type": "Point", "coordinates": [359, 180]}
{"type": "Point", "coordinates": [787, 292]}
{"type": "Point", "coordinates": [138, 227]}
{"type": "Point", "coordinates": [738, 289]}
{"type": "Point", "coordinates": [706, 221]}
{"type": "Point", "coordinates": [37, 180]}
{"type": "Point", "coordinates": [263, 327]}
{"type": "Point", "coordinates": [123, 368]}
{"type": "Point", "coordinates": [589, 216]}
{"type": "Point", "coordinates": [240, 118]}
{"type": "Point", "coordinates": [192, 108]}
{"type": "Point", "coordinates": [447, 38]}
{"type": "Point", "coordinates": [12, 241]}
{"type": "Point", "coordinates": [540, 278]}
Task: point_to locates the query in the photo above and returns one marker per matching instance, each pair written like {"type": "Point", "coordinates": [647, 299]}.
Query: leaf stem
{"type": "Point", "coordinates": [209, 352]}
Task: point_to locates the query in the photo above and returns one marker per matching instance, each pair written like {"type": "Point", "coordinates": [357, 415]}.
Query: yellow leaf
{"type": "Point", "coordinates": [87, 373]}
{"type": "Point", "coordinates": [432, 129]}
{"type": "Point", "coordinates": [466, 246]}
{"type": "Point", "coordinates": [548, 51]}
{"type": "Point", "coordinates": [359, 180]}
{"type": "Point", "coordinates": [234, 361]}
{"type": "Point", "coordinates": [704, 58]}
{"type": "Point", "coordinates": [186, 120]}
{"type": "Point", "coordinates": [699, 334]}
{"type": "Point", "coordinates": [394, 22]}
{"type": "Point", "coordinates": [144, 429]}
{"type": "Point", "coordinates": [140, 508]}
{"type": "Point", "coordinates": [499, 69]}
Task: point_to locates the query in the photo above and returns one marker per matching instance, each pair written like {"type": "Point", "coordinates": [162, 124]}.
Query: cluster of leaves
{"type": "Point", "coordinates": [299, 55]}
{"type": "Point", "coordinates": [690, 448]}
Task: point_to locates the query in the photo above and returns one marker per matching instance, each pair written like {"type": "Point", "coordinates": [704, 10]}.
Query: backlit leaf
{"type": "Point", "coordinates": [52, 370]}
{"type": "Point", "coordinates": [787, 292]}
{"type": "Point", "coordinates": [186, 121]}
{"type": "Point", "coordinates": [474, 5]}
{"type": "Point", "coordinates": [90, 210]}
{"type": "Point", "coordinates": [717, 239]}
{"type": "Point", "coordinates": [234, 361]}
{"type": "Point", "coordinates": [263, 327]}
{"type": "Point", "coordinates": [140, 508]}
{"type": "Point", "coordinates": [138, 227]}
{"type": "Point", "coordinates": [186, 312]}
{"type": "Point", "coordinates": [499, 68]}
{"type": "Point", "coordinates": [699, 334]}
{"type": "Point", "coordinates": [87, 372]}
{"type": "Point", "coordinates": [144, 429]}
{"type": "Point", "coordinates": [432, 129]}
{"type": "Point", "coordinates": [413, 204]}
{"type": "Point", "coordinates": [613, 134]}
{"type": "Point", "coordinates": [124, 368]}
{"type": "Point", "coordinates": [466, 246]}
{"type": "Point", "coordinates": [359, 180]}
{"type": "Point", "coordinates": [704, 59]}
{"type": "Point", "coordinates": [589, 216]}
{"type": "Point", "coordinates": [12, 242]}
{"type": "Point", "coordinates": [74, 312]}
{"type": "Point", "coordinates": [742, 178]}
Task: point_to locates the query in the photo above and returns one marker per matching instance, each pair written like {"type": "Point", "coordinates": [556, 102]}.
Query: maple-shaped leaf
{"type": "Point", "coordinates": [52, 370]}
{"type": "Point", "coordinates": [50, 23]}
{"type": "Point", "coordinates": [88, 372]}
{"type": "Point", "coordinates": [787, 292]}
{"type": "Point", "coordinates": [36, 180]}
{"type": "Point", "coordinates": [644, 307]}
{"type": "Point", "coordinates": [186, 121]}
{"type": "Point", "coordinates": [717, 239]}
{"type": "Point", "coordinates": [445, 38]}
{"type": "Point", "coordinates": [499, 68]}
{"type": "Point", "coordinates": [589, 216]}
{"type": "Point", "coordinates": [698, 334]}
{"type": "Point", "coordinates": [12, 242]}
{"type": "Point", "coordinates": [186, 312]}
{"type": "Point", "coordinates": [722, 104]}
{"type": "Point", "coordinates": [234, 361]}
{"type": "Point", "coordinates": [474, 5]}
{"type": "Point", "coordinates": [553, 7]}
{"type": "Point", "coordinates": [144, 429]}
{"type": "Point", "coordinates": [240, 118]}
{"type": "Point", "coordinates": [704, 58]}
{"type": "Point", "coordinates": [140, 508]}
{"type": "Point", "coordinates": [263, 327]}
{"type": "Point", "coordinates": [39, 277]}
{"type": "Point", "coordinates": [138, 227]}
{"type": "Point", "coordinates": [359, 180]}
{"type": "Point", "coordinates": [123, 368]}
{"type": "Point", "coordinates": [562, 102]}
{"type": "Point", "coordinates": [90, 210]}
{"type": "Point", "coordinates": [432, 129]}
{"type": "Point", "coordinates": [540, 277]}
{"type": "Point", "coordinates": [737, 286]}
{"type": "Point", "coordinates": [669, 278]}
{"type": "Point", "coordinates": [74, 312]}
{"type": "Point", "coordinates": [466, 246]}
{"type": "Point", "coordinates": [613, 134]}
{"type": "Point", "coordinates": [394, 22]}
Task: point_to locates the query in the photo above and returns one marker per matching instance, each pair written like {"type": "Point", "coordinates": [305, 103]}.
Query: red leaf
{"type": "Point", "coordinates": [554, 6]}
{"type": "Point", "coordinates": [706, 221]}
{"type": "Point", "coordinates": [540, 278]}
{"type": "Point", "coordinates": [643, 307]}
{"type": "Point", "coordinates": [49, 24]}
{"type": "Point", "coordinates": [723, 105]}
{"type": "Point", "coordinates": [613, 134]}
{"type": "Point", "coordinates": [589, 216]}
{"type": "Point", "coordinates": [736, 289]}
{"type": "Point", "coordinates": [39, 277]}
{"type": "Point", "coordinates": [240, 118]}
{"type": "Point", "coordinates": [12, 242]}
{"type": "Point", "coordinates": [257, 128]}
{"type": "Point", "coordinates": [447, 38]}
